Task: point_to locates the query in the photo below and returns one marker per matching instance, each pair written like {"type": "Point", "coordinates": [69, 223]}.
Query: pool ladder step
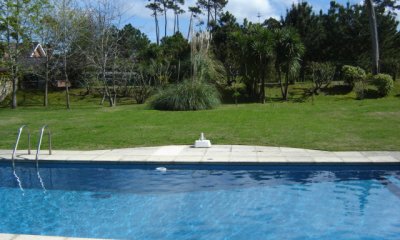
{"type": "Point", "coordinates": [41, 133]}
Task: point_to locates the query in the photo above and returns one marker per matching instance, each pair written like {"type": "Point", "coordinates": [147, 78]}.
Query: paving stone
{"type": "Point", "coordinates": [349, 154]}
{"type": "Point", "coordinates": [169, 151]}
{"type": "Point", "coordinates": [135, 158]}
{"type": "Point", "coordinates": [356, 160]}
{"type": "Point", "coordinates": [384, 159]}
{"type": "Point", "coordinates": [300, 159]}
{"type": "Point", "coordinates": [273, 159]}
{"type": "Point", "coordinates": [323, 159]}
{"type": "Point", "coordinates": [183, 158]}
{"type": "Point", "coordinates": [7, 236]}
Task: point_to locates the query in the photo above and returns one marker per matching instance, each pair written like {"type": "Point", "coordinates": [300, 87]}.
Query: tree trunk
{"type": "Point", "coordinates": [46, 85]}
{"type": "Point", "coordinates": [280, 82]}
{"type": "Point", "coordinates": [14, 103]}
{"type": "Point", "coordinates": [166, 23]}
{"type": "Point", "coordinates": [157, 28]}
{"type": "Point", "coordinates": [190, 26]}
{"type": "Point", "coordinates": [374, 36]}
{"type": "Point", "coordinates": [177, 22]}
{"type": "Point", "coordinates": [208, 14]}
{"type": "Point", "coordinates": [286, 85]}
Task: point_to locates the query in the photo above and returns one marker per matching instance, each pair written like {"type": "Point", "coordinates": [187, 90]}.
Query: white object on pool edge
{"type": "Point", "coordinates": [161, 169]}
{"type": "Point", "coordinates": [202, 142]}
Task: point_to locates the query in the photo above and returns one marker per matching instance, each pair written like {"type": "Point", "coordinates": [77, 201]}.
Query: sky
{"type": "Point", "coordinates": [135, 12]}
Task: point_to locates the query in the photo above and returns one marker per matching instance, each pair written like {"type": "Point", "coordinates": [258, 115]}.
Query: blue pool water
{"type": "Point", "coordinates": [202, 202]}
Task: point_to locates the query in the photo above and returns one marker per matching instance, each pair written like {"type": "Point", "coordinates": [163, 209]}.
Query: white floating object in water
{"type": "Point", "coordinates": [161, 169]}
{"type": "Point", "coordinates": [202, 142]}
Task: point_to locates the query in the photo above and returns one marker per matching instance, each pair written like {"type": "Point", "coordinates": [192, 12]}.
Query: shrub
{"type": "Point", "coordinates": [352, 74]}
{"type": "Point", "coordinates": [359, 89]}
{"type": "Point", "coordinates": [322, 74]}
{"type": "Point", "coordinates": [384, 84]}
{"type": "Point", "coordinates": [186, 96]}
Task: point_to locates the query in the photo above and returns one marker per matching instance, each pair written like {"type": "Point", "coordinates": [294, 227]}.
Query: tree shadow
{"type": "Point", "coordinates": [337, 90]}
{"type": "Point", "coordinates": [371, 94]}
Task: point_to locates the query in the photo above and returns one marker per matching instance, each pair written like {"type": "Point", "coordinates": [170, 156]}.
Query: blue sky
{"type": "Point", "coordinates": [138, 15]}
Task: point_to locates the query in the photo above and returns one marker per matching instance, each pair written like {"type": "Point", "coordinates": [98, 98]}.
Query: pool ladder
{"type": "Point", "coordinates": [20, 130]}
{"type": "Point", "coordinates": [42, 131]}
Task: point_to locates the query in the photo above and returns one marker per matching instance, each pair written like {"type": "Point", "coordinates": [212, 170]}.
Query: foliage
{"type": "Point", "coordinates": [322, 74]}
{"type": "Point", "coordinates": [351, 74]}
{"type": "Point", "coordinates": [186, 96]}
{"type": "Point", "coordinates": [205, 68]}
{"type": "Point", "coordinates": [359, 88]}
{"type": "Point", "coordinates": [289, 50]}
{"type": "Point", "coordinates": [384, 84]}
{"type": "Point", "coordinates": [176, 50]}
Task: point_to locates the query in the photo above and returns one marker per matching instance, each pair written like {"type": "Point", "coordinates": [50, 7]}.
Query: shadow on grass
{"type": "Point", "coordinates": [337, 90]}
{"type": "Point", "coordinates": [371, 94]}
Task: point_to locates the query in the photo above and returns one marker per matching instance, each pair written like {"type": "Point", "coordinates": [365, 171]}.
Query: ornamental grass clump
{"type": "Point", "coordinates": [198, 92]}
{"type": "Point", "coordinates": [186, 96]}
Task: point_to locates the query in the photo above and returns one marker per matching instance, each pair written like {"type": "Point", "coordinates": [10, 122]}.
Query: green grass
{"type": "Point", "coordinates": [332, 122]}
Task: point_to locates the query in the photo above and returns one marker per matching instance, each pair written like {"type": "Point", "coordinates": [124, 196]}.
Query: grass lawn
{"type": "Point", "coordinates": [329, 122]}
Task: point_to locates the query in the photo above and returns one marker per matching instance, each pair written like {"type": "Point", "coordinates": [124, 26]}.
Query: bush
{"type": "Point", "coordinates": [384, 84]}
{"type": "Point", "coordinates": [359, 89]}
{"type": "Point", "coordinates": [352, 74]}
{"type": "Point", "coordinates": [322, 74]}
{"type": "Point", "coordinates": [186, 96]}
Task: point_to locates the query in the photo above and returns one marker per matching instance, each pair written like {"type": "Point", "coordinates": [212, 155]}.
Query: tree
{"type": "Point", "coordinates": [176, 50]}
{"type": "Point", "coordinates": [176, 8]}
{"type": "Point", "coordinates": [206, 5]}
{"type": "Point", "coordinates": [102, 53]}
{"type": "Point", "coordinates": [213, 8]}
{"type": "Point", "coordinates": [156, 9]}
{"type": "Point", "coordinates": [44, 29]}
{"type": "Point", "coordinates": [17, 23]}
{"type": "Point", "coordinates": [310, 28]}
{"type": "Point", "coordinates": [132, 42]}
{"type": "Point", "coordinates": [374, 35]}
{"type": "Point", "coordinates": [165, 6]}
{"type": "Point", "coordinates": [194, 12]}
{"type": "Point", "coordinates": [288, 49]}
{"type": "Point", "coordinates": [262, 45]}
{"type": "Point", "coordinates": [67, 31]}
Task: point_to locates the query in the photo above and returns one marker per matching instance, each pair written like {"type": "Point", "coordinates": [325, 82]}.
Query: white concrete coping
{"type": "Point", "coordinates": [226, 154]}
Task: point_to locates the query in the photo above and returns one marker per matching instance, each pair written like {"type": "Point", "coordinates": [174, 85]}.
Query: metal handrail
{"type": "Point", "coordinates": [15, 152]}
{"type": "Point", "coordinates": [18, 137]}
{"type": "Point", "coordinates": [38, 152]}
{"type": "Point", "coordinates": [40, 140]}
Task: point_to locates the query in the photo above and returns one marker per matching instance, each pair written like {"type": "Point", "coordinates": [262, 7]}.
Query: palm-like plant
{"type": "Point", "coordinates": [288, 49]}
{"type": "Point", "coordinates": [262, 48]}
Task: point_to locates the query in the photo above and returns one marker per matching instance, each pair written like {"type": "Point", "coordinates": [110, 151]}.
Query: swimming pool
{"type": "Point", "coordinates": [131, 201]}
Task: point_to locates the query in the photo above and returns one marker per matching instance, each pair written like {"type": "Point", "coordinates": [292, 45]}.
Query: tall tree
{"type": "Point", "coordinates": [207, 7]}
{"type": "Point", "coordinates": [175, 6]}
{"type": "Point", "coordinates": [17, 28]}
{"type": "Point", "coordinates": [156, 10]}
{"type": "Point", "coordinates": [218, 6]}
{"type": "Point", "coordinates": [194, 13]}
{"type": "Point", "coordinates": [374, 35]}
{"type": "Point", "coordinates": [103, 53]}
{"type": "Point", "coordinates": [289, 50]}
{"type": "Point", "coordinates": [165, 6]}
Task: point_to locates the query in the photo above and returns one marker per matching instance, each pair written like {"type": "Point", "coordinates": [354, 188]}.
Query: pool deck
{"type": "Point", "coordinates": [218, 154]}
{"type": "Point", "coordinates": [225, 154]}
